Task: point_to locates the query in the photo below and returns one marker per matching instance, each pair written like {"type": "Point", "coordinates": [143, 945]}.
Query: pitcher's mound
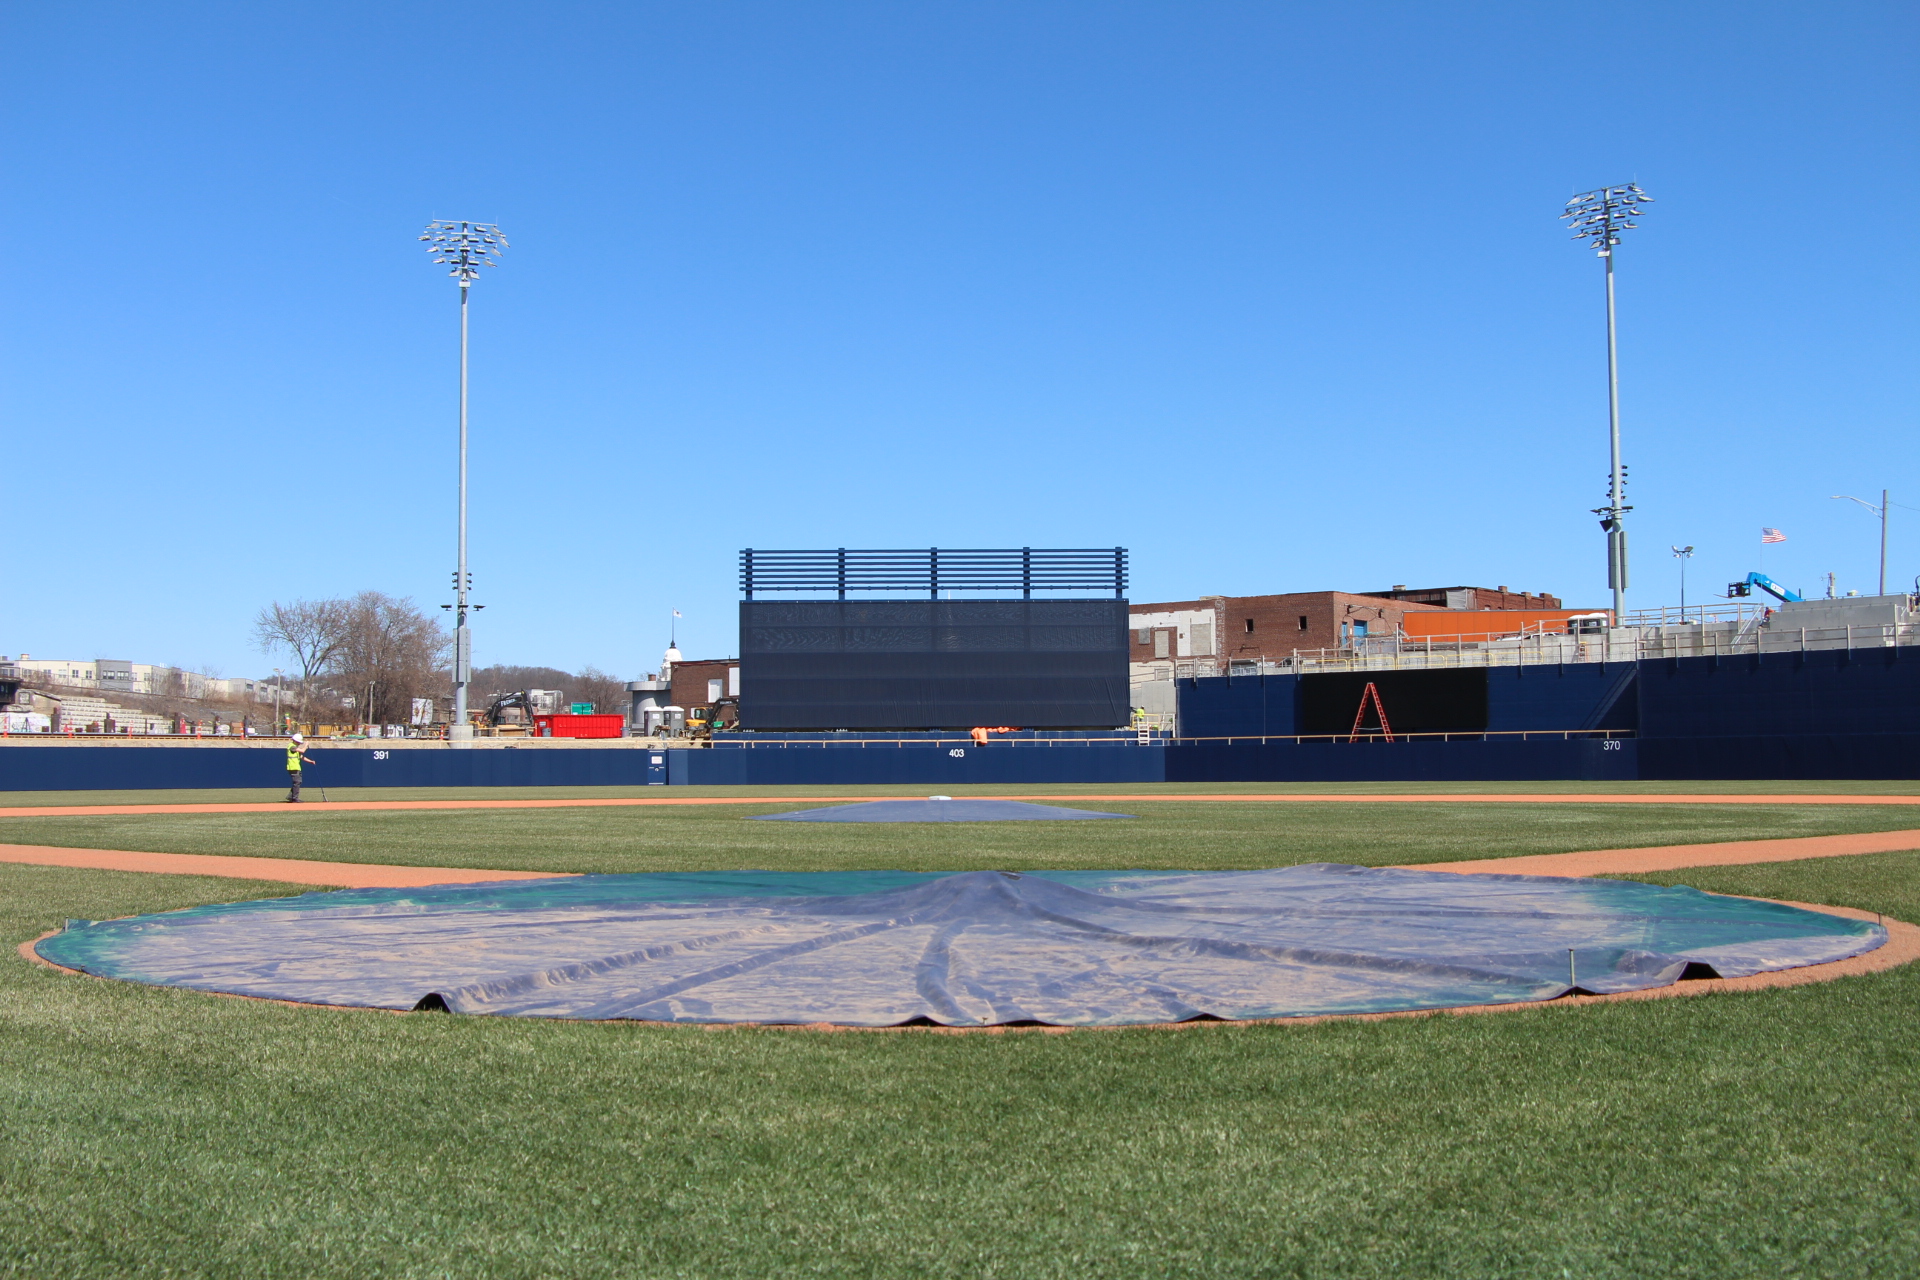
{"type": "Point", "coordinates": [938, 809]}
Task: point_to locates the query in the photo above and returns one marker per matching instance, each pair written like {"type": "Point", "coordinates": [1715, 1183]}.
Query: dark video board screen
{"type": "Point", "coordinates": [933, 664]}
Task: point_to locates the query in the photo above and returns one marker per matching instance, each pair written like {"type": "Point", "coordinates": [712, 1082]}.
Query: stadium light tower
{"type": "Point", "coordinates": [463, 247]}
{"type": "Point", "coordinates": [1600, 216]}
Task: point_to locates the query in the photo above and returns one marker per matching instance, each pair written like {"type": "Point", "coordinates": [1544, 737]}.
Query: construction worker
{"type": "Point", "coordinates": [296, 752]}
{"type": "Point", "coordinates": [979, 737]}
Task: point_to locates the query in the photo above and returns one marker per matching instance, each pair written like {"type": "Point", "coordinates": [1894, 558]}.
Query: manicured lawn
{"type": "Point", "coordinates": [315, 782]}
{"type": "Point", "coordinates": [1164, 834]}
{"type": "Point", "coordinates": [151, 1132]}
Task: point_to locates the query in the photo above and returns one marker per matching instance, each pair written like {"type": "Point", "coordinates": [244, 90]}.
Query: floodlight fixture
{"type": "Point", "coordinates": [1598, 217]}
{"type": "Point", "coordinates": [463, 247]}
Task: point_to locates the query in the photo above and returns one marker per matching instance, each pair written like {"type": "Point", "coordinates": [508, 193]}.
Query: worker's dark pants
{"type": "Point", "coordinates": [293, 784]}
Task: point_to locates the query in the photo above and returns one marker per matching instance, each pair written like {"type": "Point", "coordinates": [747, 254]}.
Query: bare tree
{"type": "Point", "coordinates": [313, 631]}
{"type": "Point", "coordinates": [389, 653]}
{"type": "Point", "coordinates": [606, 693]}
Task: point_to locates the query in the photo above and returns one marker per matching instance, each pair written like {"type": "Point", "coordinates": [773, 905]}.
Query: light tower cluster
{"type": "Point", "coordinates": [463, 247]}
{"type": "Point", "coordinates": [1599, 217]}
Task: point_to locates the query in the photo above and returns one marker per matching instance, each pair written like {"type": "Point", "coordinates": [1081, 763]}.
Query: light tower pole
{"type": "Point", "coordinates": [1600, 216]}
{"type": "Point", "coordinates": [463, 247]}
{"type": "Point", "coordinates": [1881, 511]}
{"type": "Point", "coordinates": [1683, 554]}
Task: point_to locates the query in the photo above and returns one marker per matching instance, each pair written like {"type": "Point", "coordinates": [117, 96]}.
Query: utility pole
{"type": "Point", "coordinates": [464, 247]}
{"type": "Point", "coordinates": [1600, 216]}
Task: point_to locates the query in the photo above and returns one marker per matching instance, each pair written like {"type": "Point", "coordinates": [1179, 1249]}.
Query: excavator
{"type": "Point", "coordinates": [521, 706]}
{"type": "Point", "coordinates": [1746, 585]}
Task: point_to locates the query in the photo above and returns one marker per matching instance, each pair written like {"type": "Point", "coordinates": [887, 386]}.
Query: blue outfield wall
{"type": "Point", "coordinates": [918, 766]}
{"type": "Point", "coordinates": [1578, 695]}
{"type": "Point", "coordinates": [1787, 756]}
{"type": "Point", "coordinates": [1596, 760]}
{"type": "Point", "coordinates": [1826, 692]}
{"type": "Point", "coordinates": [1581, 695]}
{"type": "Point", "coordinates": [154, 768]}
{"type": "Point", "coordinates": [1890, 755]}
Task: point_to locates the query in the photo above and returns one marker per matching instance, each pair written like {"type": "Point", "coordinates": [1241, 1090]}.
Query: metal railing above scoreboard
{"type": "Point", "coordinates": [935, 569]}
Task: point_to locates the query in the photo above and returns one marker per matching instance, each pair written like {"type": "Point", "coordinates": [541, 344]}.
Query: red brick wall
{"type": "Point", "coordinates": [689, 687]}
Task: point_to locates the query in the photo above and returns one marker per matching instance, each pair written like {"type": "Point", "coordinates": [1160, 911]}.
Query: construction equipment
{"type": "Point", "coordinates": [1745, 588]}
{"type": "Point", "coordinates": [702, 721]}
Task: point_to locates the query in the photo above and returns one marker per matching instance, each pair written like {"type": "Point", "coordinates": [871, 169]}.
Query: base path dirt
{"type": "Point", "coordinates": [333, 875]}
{"type": "Point", "coordinates": [365, 875]}
{"type": "Point", "coordinates": [1673, 857]}
{"type": "Point", "coordinates": [355, 806]}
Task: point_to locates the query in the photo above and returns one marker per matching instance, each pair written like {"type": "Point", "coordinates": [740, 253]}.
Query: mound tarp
{"type": "Point", "coordinates": [882, 948]}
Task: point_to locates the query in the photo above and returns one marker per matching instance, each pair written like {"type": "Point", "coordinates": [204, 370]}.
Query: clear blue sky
{"type": "Point", "coordinates": [1273, 294]}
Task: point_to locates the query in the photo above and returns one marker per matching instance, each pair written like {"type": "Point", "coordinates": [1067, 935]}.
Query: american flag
{"type": "Point", "coordinates": [1772, 535]}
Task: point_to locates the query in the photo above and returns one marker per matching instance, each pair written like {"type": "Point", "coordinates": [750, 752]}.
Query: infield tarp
{"type": "Point", "coordinates": [881, 948]}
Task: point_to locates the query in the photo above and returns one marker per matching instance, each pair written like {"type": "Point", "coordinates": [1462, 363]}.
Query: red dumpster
{"type": "Point", "coordinates": [570, 726]}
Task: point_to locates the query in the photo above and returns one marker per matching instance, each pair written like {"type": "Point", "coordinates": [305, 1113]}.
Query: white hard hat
{"type": "Point", "coordinates": [298, 738]}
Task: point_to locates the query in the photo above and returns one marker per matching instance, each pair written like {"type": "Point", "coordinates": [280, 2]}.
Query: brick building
{"type": "Point", "coordinates": [701, 682]}
{"type": "Point", "coordinates": [1470, 597]}
{"type": "Point", "coordinates": [1220, 630]}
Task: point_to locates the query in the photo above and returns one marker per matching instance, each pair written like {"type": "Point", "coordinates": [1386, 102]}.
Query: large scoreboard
{"type": "Point", "coordinates": [879, 664]}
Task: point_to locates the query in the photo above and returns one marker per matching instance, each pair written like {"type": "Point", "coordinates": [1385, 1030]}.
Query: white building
{"type": "Point", "coordinates": [116, 675]}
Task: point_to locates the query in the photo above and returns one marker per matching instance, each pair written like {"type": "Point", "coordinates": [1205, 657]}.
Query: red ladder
{"type": "Point", "coordinates": [1361, 714]}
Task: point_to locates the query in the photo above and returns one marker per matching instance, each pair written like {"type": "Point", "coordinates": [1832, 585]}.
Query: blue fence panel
{"type": "Point", "coordinates": [919, 766]}
{"type": "Point", "coordinates": [1783, 756]}
{"type": "Point", "coordinates": [1579, 695]}
{"type": "Point", "coordinates": [1835, 691]}
{"type": "Point", "coordinates": [1236, 706]}
{"type": "Point", "coordinates": [79, 768]}
{"type": "Point", "coordinates": [1489, 761]}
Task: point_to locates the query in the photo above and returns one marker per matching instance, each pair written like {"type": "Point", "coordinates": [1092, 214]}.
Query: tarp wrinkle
{"type": "Point", "coordinates": [885, 948]}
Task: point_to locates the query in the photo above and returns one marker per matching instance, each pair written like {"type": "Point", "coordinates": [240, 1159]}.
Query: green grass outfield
{"type": "Point", "coordinates": [314, 783]}
{"type": "Point", "coordinates": [1169, 833]}
{"type": "Point", "coordinates": [151, 1132]}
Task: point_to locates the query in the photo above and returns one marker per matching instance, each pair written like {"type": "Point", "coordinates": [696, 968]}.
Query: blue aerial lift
{"type": "Point", "coordinates": [1766, 584]}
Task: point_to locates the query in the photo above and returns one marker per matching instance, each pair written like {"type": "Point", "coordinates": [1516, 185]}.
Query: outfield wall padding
{"type": "Point", "coordinates": [1496, 760]}
{"type": "Point", "coordinates": [1824, 692]}
{"type": "Point", "coordinates": [917, 766]}
{"type": "Point", "coordinates": [1762, 756]}
{"type": "Point", "coordinates": [1584, 695]}
{"type": "Point", "coordinates": [131, 768]}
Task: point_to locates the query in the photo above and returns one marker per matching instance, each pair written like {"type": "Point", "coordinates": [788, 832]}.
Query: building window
{"type": "Point", "coordinates": [1249, 626]}
{"type": "Point", "coordinates": [1160, 644]}
{"type": "Point", "coordinates": [1303, 622]}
